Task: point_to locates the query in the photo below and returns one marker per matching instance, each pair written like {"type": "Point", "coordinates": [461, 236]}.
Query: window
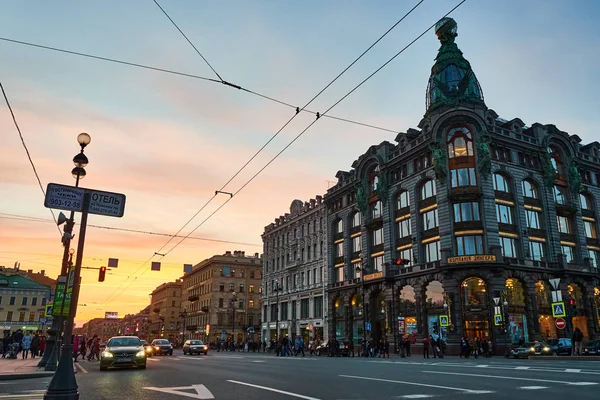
{"type": "Point", "coordinates": [221, 287]}
{"type": "Point", "coordinates": [250, 303]}
{"type": "Point", "coordinates": [9, 316]}
{"type": "Point", "coordinates": [284, 310]}
{"type": "Point", "coordinates": [24, 301]}
{"type": "Point", "coordinates": [460, 143]}
{"type": "Point", "coordinates": [308, 282]}
{"type": "Point", "coordinates": [536, 250]}
{"type": "Point", "coordinates": [12, 301]}
{"type": "Point", "coordinates": [22, 316]}
{"type": "Point", "coordinates": [530, 190]}
{"type": "Point", "coordinates": [251, 289]}
{"type": "Point", "coordinates": [430, 220]}
{"type": "Point", "coordinates": [241, 303]}
{"type": "Point", "coordinates": [252, 275]}
{"type": "Point", "coordinates": [469, 245]}
{"type": "Point", "coordinates": [339, 249]}
{"type": "Point", "coordinates": [31, 316]}
{"type": "Point", "coordinates": [464, 212]}
{"type": "Point", "coordinates": [378, 264]}
{"type": "Point", "coordinates": [590, 229]}
{"type": "Point", "coordinates": [504, 214]}
{"type": "Point", "coordinates": [318, 305]}
{"type": "Point", "coordinates": [585, 201]}
{"type": "Point", "coordinates": [339, 227]}
{"type": "Point", "coordinates": [231, 287]}
{"type": "Point", "coordinates": [403, 200]}
{"type": "Point", "coordinates": [533, 219]}
{"type": "Point", "coordinates": [356, 244]}
{"type": "Point", "coordinates": [294, 310]}
{"type": "Point", "coordinates": [463, 177]}
{"type": "Point", "coordinates": [404, 229]}
{"type": "Point", "coordinates": [376, 209]}
{"type": "Point", "coordinates": [34, 301]}
{"type": "Point", "coordinates": [593, 254]}
{"type": "Point", "coordinates": [569, 253]}
{"type": "Point", "coordinates": [564, 225]}
{"type": "Point", "coordinates": [428, 190]}
{"type": "Point", "coordinates": [339, 274]}
{"type": "Point", "coordinates": [501, 183]}
{"type": "Point", "coordinates": [377, 236]}
{"type": "Point", "coordinates": [509, 248]}
{"type": "Point", "coordinates": [559, 193]}
{"type": "Point", "coordinates": [356, 220]}
{"type": "Point", "coordinates": [226, 271]}
{"type": "Point", "coordinates": [274, 316]}
{"type": "Point", "coordinates": [242, 288]}
{"type": "Point", "coordinates": [406, 254]}
{"type": "Point", "coordinates": [432, 251]}
{"type": "Point", "coordinates": [304, 308]}
{"type": "Point", "coordinates": [220, 302]}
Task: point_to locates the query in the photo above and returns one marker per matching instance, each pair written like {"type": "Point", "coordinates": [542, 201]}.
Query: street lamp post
{"type": "Point", "coordinates": [232, 303]}
{"type": "Point", "coordinates": [63, 384]}
{"type": "Point", "coordinates": [361, 270]}
{"type": "Point", "coordinates": [183, 314]}
{"type": "Point", "coordinates": [49, 359]}
{"type": "Point", "coordinates": [506, 326]}
{"type": "Point", "coordinates": [277, 289]}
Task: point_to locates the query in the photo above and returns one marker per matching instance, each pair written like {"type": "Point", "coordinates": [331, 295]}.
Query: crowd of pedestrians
{"type": "Point", "coordinates": [28, 344]}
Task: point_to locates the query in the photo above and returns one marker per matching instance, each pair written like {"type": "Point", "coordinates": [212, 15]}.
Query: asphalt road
{"type": "Point", "coordinates": [256, 376]}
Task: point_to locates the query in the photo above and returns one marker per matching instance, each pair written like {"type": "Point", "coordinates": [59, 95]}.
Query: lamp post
{"type": "Point", "coordinates": [49, 359]}
{"type": "Point", "coordinates": [506, 326]}
{"type": "Point", "coordinates": [277, 289]}
{"type": "Point", "coordinates": [183, 314]}
{"type": "Point", "coordinates": [232, 303]}
{"type": "Point", "coordinates": [362, 284]}
{"type": "Point", "coordinates": [63, 384]}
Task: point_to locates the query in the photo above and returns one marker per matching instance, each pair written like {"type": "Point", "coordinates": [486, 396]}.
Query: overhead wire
{"type": "Point", "coordinates": [309, 126]}
{"type": "Point", "coordinates": [187, 75]}
{"type": "Point", "coordinates": [298, 110]}
{"type": "Point", "coordinates": [37, 176]}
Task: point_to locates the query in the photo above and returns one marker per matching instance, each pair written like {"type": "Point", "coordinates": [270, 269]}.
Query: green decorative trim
{"type": "Point", "coordinates": [383, 186]}
{"type": "Point", "coordinates": [574, 180]}
{"type": "Point", "coordinates": [548, 169]}
{"type": "Point", "coordinates": [482, 142]}
{"type": "Point", "coordinates": [440, 163]}
{"type": "Point", "coordinates": [362, 193]}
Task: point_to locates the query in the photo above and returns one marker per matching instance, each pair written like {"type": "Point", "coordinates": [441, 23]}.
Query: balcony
{"type": "Point", "coordinates": [193, 298]}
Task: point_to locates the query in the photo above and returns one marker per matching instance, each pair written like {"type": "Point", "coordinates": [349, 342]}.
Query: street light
{"type": "Point", "coordinates": [183, 314]}
{"type": "Point", "coordinates": [49, 359]}
{"type": "Point", "coordinates": [507, 338]}
{"type": "Point", "coordinates": [232, 302]}
{"type": "Point", "coordinates": [63, 384]}
{"type": "Point", "coordinates": [277, 289]}
{"type": "Point", "coordinates": [362, 283]}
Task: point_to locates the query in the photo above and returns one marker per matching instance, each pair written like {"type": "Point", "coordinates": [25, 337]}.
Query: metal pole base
{"type": "Point", "coordinates": [63, 385]}
{"type": "Point", "coordinates": [52, 363]}
{"type": "Point", "coordinates": [48, 349]}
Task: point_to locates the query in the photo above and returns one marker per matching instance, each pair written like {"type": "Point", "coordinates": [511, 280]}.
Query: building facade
{"type": "Point", "coordinates": [105, 328]}
{"type": "Point", "coordinates": [221, 298]}
{"type": "Point", "coordinates": [165, 306]}
{"type": "Point", "coordinates": [294, 300]}
{"type": "Point", "coordinates": [22, 302]}
{"type": "Point", "coordinates": [458, 228]}
{"type": "Point", "coordinates": [137, 324]}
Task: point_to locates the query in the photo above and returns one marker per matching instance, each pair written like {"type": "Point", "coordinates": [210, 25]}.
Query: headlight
{"type": "Point", "coordinates": [149, 349]}
{"type": "Point", "coordinates": [532, 349]}
{"type": "Point", "coordinates": [546, 348]}
{"type": "Point", "coordinates": [141, 353]}
{"type": "Point", "coordinates": [156, 348]}
{"type": "Point", "coordinates": [106, 354]}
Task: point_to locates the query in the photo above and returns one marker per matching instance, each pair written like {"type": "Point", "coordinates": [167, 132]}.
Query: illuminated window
{"type": "Point", "coordinates": [460, 143]}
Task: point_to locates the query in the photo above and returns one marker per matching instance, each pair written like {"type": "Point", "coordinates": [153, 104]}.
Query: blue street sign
{"type": "Point", "coordinates": [368, 326]}
{"type": "Point", "coordinates": [498, 319]}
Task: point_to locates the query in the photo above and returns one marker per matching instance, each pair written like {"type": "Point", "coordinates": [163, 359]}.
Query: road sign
{"type": "Point", "coordinates": [49, 308]}
{"type": "Point", "coordinates": [560, 323]}
{"type": "Point", "coordinates": [498, 319]}
{"type": "Point", "coordinates": [194, 391]}
{"type": "Point", "coordinates": [497, 300]}
{"type": "Point", "coordinates": [106, 203]}
{"type": "Point", "coordinates": [558, 309]}
{"type": "Point", "coordinates": [64, 197]}
{"type": "Point", "coordinates": [368, 326]}
{"type": "Point", "coordinates": [444, 320]}
{"type": "Point", "coordinates": [555, 282]}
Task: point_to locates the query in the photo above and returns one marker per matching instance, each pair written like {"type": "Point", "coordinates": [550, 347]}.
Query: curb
{"type": "Point", "coordinates": [566, 358]}
{"type": "Point", "coordinates": [27, 375]}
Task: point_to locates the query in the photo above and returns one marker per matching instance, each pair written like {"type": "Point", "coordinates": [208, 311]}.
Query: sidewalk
{"type": "Point", "coordinates": [21, 369]}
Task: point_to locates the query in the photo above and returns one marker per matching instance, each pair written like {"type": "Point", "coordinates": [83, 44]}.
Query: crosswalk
{"type": "Point", "coordinates": [24, 395]}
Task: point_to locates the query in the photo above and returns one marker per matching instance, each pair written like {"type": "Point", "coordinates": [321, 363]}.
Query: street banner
{"type": "Point", "coordinates": [68, 292]}
{"type": "Point", "coordinates": [59, 295]}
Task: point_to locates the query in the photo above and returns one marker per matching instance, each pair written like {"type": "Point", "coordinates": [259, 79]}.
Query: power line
{"type": "Point", "coordinates": [267, 143]}
{"type": "Point", "coordinates": [18, 217]}
{"type": "Point", "coordinates": [188, 40]}
{"type": "Point", "coordinates": [183, 74]}
{"type": "Point", "coordinates": [27, 151]}
{"type": "Point", "coordinates": [305, 129]}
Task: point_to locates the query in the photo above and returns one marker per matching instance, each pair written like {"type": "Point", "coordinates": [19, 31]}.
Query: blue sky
{"type": "Point", "coordinates": [168, 142]}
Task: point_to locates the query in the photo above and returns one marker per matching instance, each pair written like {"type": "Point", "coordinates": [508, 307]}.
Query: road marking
{"type": "Point", "coordinates": [202, 391]}
{"type": "Point", "coordinates": [512, 378]}
{"type": "Point", "coordinates": [259, 361]}
{"type": "Point", "coordinates": [533, 387]}
{"type": "Point", "coordinates": [522, 367]}
{"type": "Point", "coordinates": [14, 396]}
{"type": "Point", "coordinates": [152, 359]}
{"type": "Point", "coordinates": [418, 384]}
{"type": "Point", "coordinates": [482, 365]}
{"type": "Point", "coordinates": [81, 368]}
{"type": "Point", "coordinates": [415, 396]}
{"type": "Point", "coordinates": [572, 370]}
{"type": "Point", "coordinates": [301, 396]}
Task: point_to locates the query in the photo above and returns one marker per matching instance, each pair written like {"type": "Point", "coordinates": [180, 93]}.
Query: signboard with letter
{"type": "Point", "coordinates": [401, 326]}
{"type": "Point", "coordinates": [471, 259]}
{"type": "Point", "coordinates": [64, 197]}
{"type": "Point", "coordinates": [498, 319]}
{"type": "Point", "coordinates": [106, 203]}
{"type": "Point", "coordinates": [444, 320]}
{"type": "Point", "coordinates": [67, 306]}
{"type": "Point", "coordinates": [558, 309]}
{"type": "Point", "coordinates": [375, 275]}
{"type": "Point", "coordinates": [59, 295]}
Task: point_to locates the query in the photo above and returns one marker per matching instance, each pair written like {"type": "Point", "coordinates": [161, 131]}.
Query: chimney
{"type": "Point", "coordinates": [242, 254]}
{"type": "Point", "coordinates": [43, 272]}
{"type": "Point", "coordinates": [30, 271]}
{"type": "Point", "coordinates": [228, 253]}
{"type": "Point", "coordinates": [319, 199]}
{"type": "Point", "coordinates": [256, 255]}
{"type": "Point", "coordinates": [312, 203]}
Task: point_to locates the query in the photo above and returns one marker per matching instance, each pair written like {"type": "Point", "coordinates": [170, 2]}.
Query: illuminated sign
{"type": "Point", "coordinates": [376, 275]}
{"type": "Point", "coordinates": [468, 259]}
{"type": "Point", "coordinates": [111, 315]}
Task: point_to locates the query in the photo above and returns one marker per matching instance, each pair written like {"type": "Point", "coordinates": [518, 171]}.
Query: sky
{"type": "Point", "coordinates": [168, 142]}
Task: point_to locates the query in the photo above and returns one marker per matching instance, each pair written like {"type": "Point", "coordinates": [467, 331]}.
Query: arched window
{"type": "Point", "coordinates": [556, 160]}
{"type": "Point", "coordinates": [585, 201]}
{"type": "Point", "coordinates": [560, 195]}
{"type": "Point", "coordinates": [460, 143]}
{"type": "Point", "coordinates": [428, 189]}
{"type": "Point", "coordinates": [501, 183]}
{"type": "Point", "coordinates": [402, 200]}
{"type": "Point", "coordinates": [356, 219]}
{"type": "Point", "coordinates": [374, 179]}
{"type": "Point", "coordinates": [530, 189]}
{"type": "Point", "coordinates": [339, 226]}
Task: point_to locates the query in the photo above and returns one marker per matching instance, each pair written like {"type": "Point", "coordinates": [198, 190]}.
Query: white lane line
{"type": "Point", "coordinates": [533, 387]}
{"type": "Point", "coordinates": [259, 361]}
{"type": "Point", "coordinates": [572, 370]}
{"type": "Point", "coordinates": [415, 396]}
{"type": "Point", "coordinates": [522, 367]}
{"type": "Point", "coordinates": [418, 384]}
{"type": "Point", "coordinates": [270, 389]}
{"type": "Point", "coordinates": [151, 359]}
{"type": "Point", "coordinates": [14, 396]}
{"type": "Point", "coordinates": [511, 378]}
{"type": "Point", "coordinates": [482, 365]}
{"type": "Point", "coordinates": [81, 368]}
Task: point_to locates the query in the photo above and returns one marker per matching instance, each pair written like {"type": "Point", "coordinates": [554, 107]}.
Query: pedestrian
{"type": "Point", "coordinates": [42, 344]}
{"type": "Point", "coordinates": [577, 339]}
{"type": "Point", "coordinates": [386, 348]}
{"type": "Point", "coordinates": [26, 344]}
{"type": "Point", "coordinates": [425, 347]}
{"type": "Point", "coordinates": [407, 346]}
{"type": "Point", "coordinates": [35, 345]}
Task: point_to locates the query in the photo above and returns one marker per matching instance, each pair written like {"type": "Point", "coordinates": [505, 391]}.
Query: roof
{"type": "Point", "coordinates": [20, 282]}
{"type": "Point", "coordinates": [42, 279]}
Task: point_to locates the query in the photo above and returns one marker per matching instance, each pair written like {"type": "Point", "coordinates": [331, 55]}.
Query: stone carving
{"type": "Point", "coordinates": [482, 142]}
{"type": "Point", "coordinates": [362, 196]}
{"type": "Point", "coordinates": [439, 162]}
{"type": "Point", "coordinates": [383, 186]}
{"type": "Point", "coordinates": [574, 179]}
{"type": "Point", "coordinates": [549, 170]}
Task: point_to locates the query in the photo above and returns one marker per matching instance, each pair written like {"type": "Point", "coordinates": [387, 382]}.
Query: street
{"type": "Point", "coordinates": [265, 376]}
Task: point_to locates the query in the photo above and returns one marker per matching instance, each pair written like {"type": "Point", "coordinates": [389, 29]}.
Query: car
{"type": "Point", "coordinates": [591, 348]}
{"type": "Point", "coordinates": [529, 349]}
{"type": "Point", "coordinates": [162, 346]}
{"type": "Point", "coordinates": [147, 347]}
{"type": "Point", "coordinates": [343, 349]}
{"type": "Point", "coordinates": [123, 351]}
{"type": "Point", "coordinates": [195, 346]}
{"type": "Point", "coordinates": [559, 347]}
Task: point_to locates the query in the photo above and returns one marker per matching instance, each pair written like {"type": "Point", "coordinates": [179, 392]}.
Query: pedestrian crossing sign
{"type": "Point", "coordinates": [558, 309]}
{"type": "Point", "coordinates": [498, 319]}
{"type": "Point", "coordinates": [444, 320]}
{"type": "Point", "coordinates": [49, 309]}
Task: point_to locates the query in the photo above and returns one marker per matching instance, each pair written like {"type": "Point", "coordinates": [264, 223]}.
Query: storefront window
{"type": "Point", "coordinates": [597, 304]}
{"type": "Point", "coordinates": [339, 317]}
{"type": "Point", "coordinates": [515, 295]}
{"type": "Point", "coordinates": [474, 292]}
{"type": "Point", "coordinates": [357, 318]}
{"type": "Point", "coordinates": [407, 308]}
{"type": "Point", "coordinates": [435, 307]}
{"type": "Point", "coordinates": [580, 320]}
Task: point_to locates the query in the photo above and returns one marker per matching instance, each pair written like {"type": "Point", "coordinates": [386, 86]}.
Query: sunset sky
{"type": "Point", "coordinates": [168, 142]}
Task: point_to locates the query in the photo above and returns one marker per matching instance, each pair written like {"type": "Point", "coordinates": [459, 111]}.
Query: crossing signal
{"type": "Point", "coordinates": [402, 261]}
{"type": "Point", "coordinates": [101, 274]}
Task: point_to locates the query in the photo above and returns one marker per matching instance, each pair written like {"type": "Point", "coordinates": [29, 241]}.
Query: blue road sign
{"type": "Point", "coordinates": [558, 309]}
{"type": "Point", "coordinates": [368, 326]}
{"type": "Point", "coordinates": [498, 319]}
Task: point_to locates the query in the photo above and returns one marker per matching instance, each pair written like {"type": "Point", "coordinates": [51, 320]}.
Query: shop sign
{"type": "Point", "coordinates": [472, 259]}
{"type": "Point", "coordinates": [558, 309]}
{"type": "Point", "coordinates": [376, 275]}
{"type": "Point", "coordinates": [401, 326]}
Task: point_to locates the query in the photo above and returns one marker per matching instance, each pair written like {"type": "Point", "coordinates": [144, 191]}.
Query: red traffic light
{"type": "Point", "coordinates": [101, 274]}
{"type": "Point", "coordinates": [571, 302]}
{"type": "Point", "coordinates": [402, 261]}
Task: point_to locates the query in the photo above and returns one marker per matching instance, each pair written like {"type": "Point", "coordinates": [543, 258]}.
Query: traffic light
{"type": "Point", "coordinates": [101, 274]}
{"type": "Point", "coordinates": [402, 261]}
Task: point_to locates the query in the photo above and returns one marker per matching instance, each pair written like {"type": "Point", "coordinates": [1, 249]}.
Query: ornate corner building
{"type": "Point", "coordinates": [294, 256]}
{"type": "Point", "coordinates": [457, 228]}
